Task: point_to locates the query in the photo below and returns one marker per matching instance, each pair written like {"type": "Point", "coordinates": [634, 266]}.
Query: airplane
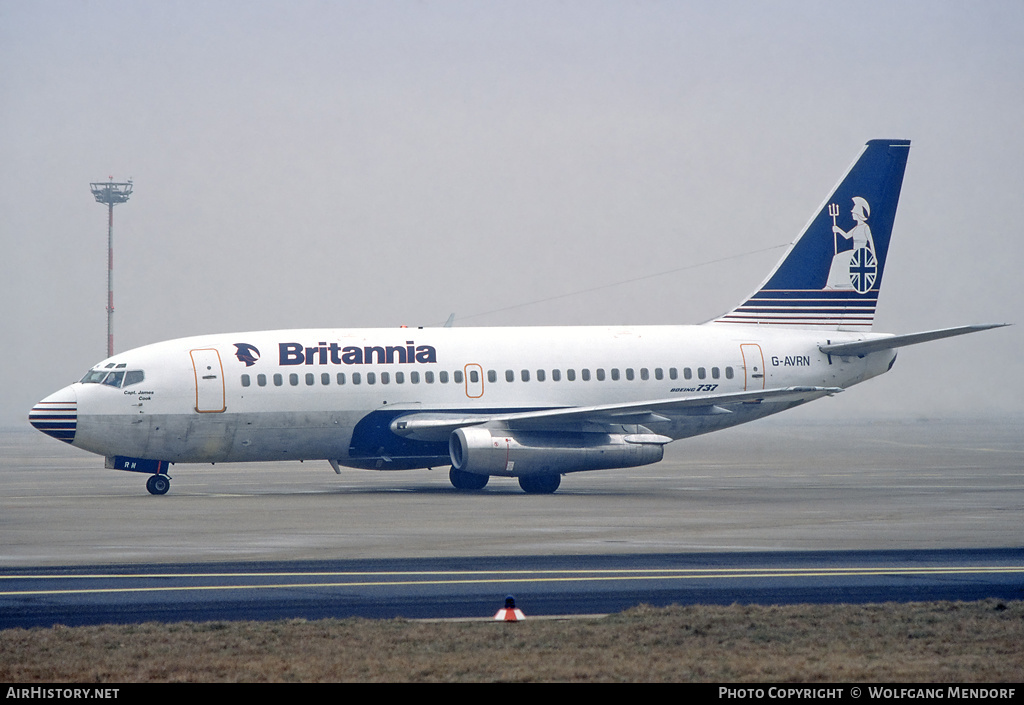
{"type": "Point", "coordinates": [534, 403]}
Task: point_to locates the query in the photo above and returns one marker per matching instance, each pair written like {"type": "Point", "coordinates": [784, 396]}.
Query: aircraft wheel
{"type": "Point", "coordinates": [158, 484]}
{"type": "Point", "coordinates": [462, 480]}
{"type": "Point", "coordinates": [540, 484]}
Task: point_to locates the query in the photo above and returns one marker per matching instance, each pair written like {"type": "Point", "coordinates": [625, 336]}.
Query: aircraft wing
{"type": "Point", "coordinates": [436, 426]}
{"type": "Point", "coordinates": [863, 347]}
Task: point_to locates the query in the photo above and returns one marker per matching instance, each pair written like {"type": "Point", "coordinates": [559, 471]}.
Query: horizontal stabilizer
{"type": "Point", "coordinates": [863, 347]}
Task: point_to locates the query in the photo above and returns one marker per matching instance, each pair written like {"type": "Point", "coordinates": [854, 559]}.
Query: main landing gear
{"type": "Point", "coordinates": [540, 484]}
{"type": "Point", "coordinates": [158, 484]}
{"type": "Point", "coordinates": [462, 480]}
{"type": "Point", "coordinates": [531, 484]}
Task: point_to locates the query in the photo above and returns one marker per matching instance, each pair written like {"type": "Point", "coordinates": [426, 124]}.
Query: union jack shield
{"type": "Point", "coordinates": [863, 270]}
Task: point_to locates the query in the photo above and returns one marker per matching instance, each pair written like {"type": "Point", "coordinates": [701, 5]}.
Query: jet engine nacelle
{"type": "Point", "coordinates": [517, 453]}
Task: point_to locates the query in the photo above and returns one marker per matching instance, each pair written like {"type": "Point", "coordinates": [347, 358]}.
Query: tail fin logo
{"type": "Point", "coordinates": [831, 274]}
{"type": "Point", "coordinates": [854, 264]}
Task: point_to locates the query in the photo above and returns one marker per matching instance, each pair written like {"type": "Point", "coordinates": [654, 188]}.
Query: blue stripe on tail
{"type": "Point", "coordinates": [831, 274]}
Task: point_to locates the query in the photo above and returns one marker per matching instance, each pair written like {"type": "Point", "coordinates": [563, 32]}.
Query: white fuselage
{"type": "Point", "coordinates": [331, 394]}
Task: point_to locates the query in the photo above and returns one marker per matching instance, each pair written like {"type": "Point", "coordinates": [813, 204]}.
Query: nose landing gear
{"type": "Point", "coordinates": [159, 481]}
{"type": "Point", "coordinates": [158, 484]}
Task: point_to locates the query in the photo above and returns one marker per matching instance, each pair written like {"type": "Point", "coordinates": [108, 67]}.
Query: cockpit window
{"type": "Point", "coordinates": [114, 378]}
{"type": "Point", "coordinates": [133, 377]}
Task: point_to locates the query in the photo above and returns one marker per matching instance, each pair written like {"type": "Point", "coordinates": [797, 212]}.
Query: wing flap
{"type": "Point", "coordinates": [436, 426]}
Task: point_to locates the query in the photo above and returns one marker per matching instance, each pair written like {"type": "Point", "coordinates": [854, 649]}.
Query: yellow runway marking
{"type": "Point", "coordinates": [400, 578]}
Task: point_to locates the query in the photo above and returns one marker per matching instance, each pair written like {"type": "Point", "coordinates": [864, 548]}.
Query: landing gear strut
{"type": "Point", "coordinates": [462, 480]}
{"type": "Point", "coordinates": [158, 484]}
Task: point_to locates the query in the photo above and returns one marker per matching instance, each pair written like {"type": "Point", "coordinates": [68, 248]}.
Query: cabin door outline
{"type": "Point", "coordinates": [474, 380]}
{"type": "Point", "coordinates": [210, 393]}
{"type": "Point", "coordinates": [753, 366]}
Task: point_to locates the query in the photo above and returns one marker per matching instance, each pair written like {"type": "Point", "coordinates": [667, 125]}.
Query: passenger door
{"type": "Point", "coordinates": [209, 381]}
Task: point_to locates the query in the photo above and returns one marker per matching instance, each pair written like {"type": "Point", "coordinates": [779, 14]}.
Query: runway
{"type": "Point", "coordinates": [475, 588]}
{"type": "Point", "coordinates": [777, 511]}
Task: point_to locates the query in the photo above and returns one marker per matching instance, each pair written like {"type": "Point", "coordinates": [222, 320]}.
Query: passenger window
{"type": "Point", "coordinates": [278, 380]}
{"type": "Point", "coordinates": [325, 379]}
{"type": "Point", "coordinates": [585, 374]}
{"type": "Point", "coordinates": [615, 374]}
{"type": "Point", "coordinates": [428, 377]}
{"type": "Point", "coordinates": [525, 375]}
{"type": "Point", "coordinates": [457, 376]}
{"type": "Point", "coordinates": [245, 380]}
{"type": "Point", "coordinates": [371, 378]}
{"type": "Point", "coordinates": [414, 377]}
{"type": "Point", "coordinates": [600, 374]}
{"type": "Point", "coordinates": [728, 373]}
{"type": "Point", "coordinates": [629, 373]}
{"type": "Point", "coordinates": [293, 379]}
{"type": "Point", "coordinates": [310, 380]}
{"type": "Point", "coordinates": [356, 378]}
{"type": "Point", "coordinates": [687, 373]}
{"type": "Point", "coordinates": [714, 373]}
{"type": "Point", "coordinates": [261, 380]}
{"type": "Point", "coordinates": [540, 375]}
{"type": "Point", "coordinates": [341, 378]}
{"type": "Point", "coordinates": [492, 376]}
{"type": "Point", "coordinates": [659, 374]}
{"type": "Point", "coordinates": [385, 377]}
{"type": "Point", "coordinates": [510, 376]}
{"type": "Point", "coordinates": [673, 373]}
{"type": "Point", "coordinates": [570, 375]}
{"type": "Point", "coordinates": [701, 373]}
{"type": "Point", "coordinates": [474, 376]}
{"type": "Point", "coordinates": [644, 374]}
{"type": "Point", "coordinates": [399, 378]}
{"type": "Point", "coordinates": [556, 375]}
{"type": "Point", "coordinates": [442, 377]}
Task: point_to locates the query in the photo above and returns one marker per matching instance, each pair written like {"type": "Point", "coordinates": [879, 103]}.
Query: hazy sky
{"type": "Point", "coordinates": [301, 164]}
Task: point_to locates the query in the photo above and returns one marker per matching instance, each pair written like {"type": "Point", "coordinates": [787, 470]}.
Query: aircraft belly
{"type": "Point", "coordinates": [114, 434]}
{"type": "Point", "coordinates": [293, 435]}
{"type": "Point", "coordinates": [191, 438]}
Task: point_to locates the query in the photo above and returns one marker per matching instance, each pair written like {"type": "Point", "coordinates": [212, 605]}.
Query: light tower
{"type": "Point", "coordinates": [111, 193]}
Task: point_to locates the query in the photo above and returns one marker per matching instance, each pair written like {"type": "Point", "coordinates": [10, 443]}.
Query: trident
{"type": "Point", "coordinates": [833, 210]}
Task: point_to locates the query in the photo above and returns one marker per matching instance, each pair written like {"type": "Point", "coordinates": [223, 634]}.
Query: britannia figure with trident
{"type": "Point", "coordinates": [853, 268]}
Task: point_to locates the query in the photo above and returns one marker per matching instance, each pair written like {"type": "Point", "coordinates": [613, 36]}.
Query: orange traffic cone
{"type": "Point", "coordinates": [509, 613]}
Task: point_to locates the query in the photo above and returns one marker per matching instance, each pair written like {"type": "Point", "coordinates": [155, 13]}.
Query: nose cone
{"type": "Point", "coordinates": [57, 415]}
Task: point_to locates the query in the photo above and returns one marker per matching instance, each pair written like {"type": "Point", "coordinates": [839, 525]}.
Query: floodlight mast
{"type": "Point", "coordinates": [111, 193]}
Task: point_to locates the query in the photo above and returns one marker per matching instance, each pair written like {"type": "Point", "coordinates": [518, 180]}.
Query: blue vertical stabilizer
{"type": "Point", "coordinates": [830, 276]}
